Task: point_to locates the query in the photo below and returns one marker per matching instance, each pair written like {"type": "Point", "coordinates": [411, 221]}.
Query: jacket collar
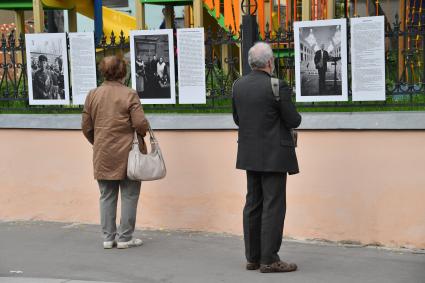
{"type": "Point", "coordinates": [260, 72]}
{"type": "Point", "coordinates": [116, 83]}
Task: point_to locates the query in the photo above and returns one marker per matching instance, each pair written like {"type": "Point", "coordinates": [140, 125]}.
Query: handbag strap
{"type": "Point", "coordinates": [151, 135]}
{"type": "Point", "coordinates": [135, 139]}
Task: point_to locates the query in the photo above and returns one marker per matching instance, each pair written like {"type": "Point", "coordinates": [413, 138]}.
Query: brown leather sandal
{"type": "Point", "coordinates": [252, 265]}
{"type": "Point", "coordinates": [278, 266]}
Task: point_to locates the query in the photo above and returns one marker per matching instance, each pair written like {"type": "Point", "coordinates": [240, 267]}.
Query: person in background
{"type": "Point", "coordinates": [153, 66]}
{"type": "Point", "coordinates": [140, 74]}
{"type": "Point", "coordinates": [266, 150]}
{"type": "Point", "coordinates": [112, 112]}
{"type": "Point", "coordinates": [153, 77]}
{"type": "Point", "coordinates": [59, 73]}
{"type": "Point", "coordinates": [174, 27]}
{"type": "Point", "coordinates": [321, 59]}
{"type": "Point", "coordinates": [161, 70]}
{"type": "Point", "coordinates": [42, 81]}
{"type": "Point", "coordinates": [54, 90]}
{"type": "Point", "coordinates": [162, 26]}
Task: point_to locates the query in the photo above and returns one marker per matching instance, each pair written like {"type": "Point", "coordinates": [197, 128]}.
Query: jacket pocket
{"type": "Point", "coordinates": [287, 143]}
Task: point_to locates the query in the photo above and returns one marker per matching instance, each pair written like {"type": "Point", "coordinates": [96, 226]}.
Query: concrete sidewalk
{"type": "Point", "coordinates": [32, 251]}
{"type": "Point", "coordinates": [44, 280]}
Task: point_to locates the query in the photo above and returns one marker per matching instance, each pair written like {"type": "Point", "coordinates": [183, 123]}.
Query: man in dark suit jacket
{"type": "Point", "coordinates": [266, 151]}
{"type": "Point", "coordinates": [321, 59]}
{"type": "Point", "coordinates": [152, 75]}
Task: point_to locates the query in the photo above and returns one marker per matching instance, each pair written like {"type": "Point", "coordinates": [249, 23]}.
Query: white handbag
{"type": "Point", "coordinates": [146, 167]}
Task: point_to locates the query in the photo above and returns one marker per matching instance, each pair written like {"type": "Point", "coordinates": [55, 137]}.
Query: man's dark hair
{"type": "Point", "coordinates": [42, 58]}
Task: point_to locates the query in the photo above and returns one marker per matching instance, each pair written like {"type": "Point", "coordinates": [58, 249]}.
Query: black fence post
{"type": "Point", "coordinates": [249, 37]}
{"type": "Point", "coordinates": [423, 56]}
{"type": "Point", "coordinates": [249, 31]}
{"type": "Point", "coordinates": [51, 24]}
{"type": "Point", "coordinates": [396, 35]}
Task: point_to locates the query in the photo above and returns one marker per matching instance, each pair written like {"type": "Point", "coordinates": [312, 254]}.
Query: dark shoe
{"type": "Point", "coordinates": [278, 266]}
{"type": "Point", "coordinates": [252, 265]}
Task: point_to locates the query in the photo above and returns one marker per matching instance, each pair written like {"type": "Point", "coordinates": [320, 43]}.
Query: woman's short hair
{"type": "Point", "coordinates": [113, 68]}
{"type": "Point", "coordinates": [259, 55]}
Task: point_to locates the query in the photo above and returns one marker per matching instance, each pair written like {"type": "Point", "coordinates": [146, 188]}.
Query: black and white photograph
{"type": "Point", "coordinates": [152, 66]}
{"type": "Point", "coordinates": [47, 66]}
{"type": "Point", "coordinates": [321, 60]}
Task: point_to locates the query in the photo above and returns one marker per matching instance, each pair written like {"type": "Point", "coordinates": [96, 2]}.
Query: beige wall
{"type": "Point", "coordinates": [366, 186]}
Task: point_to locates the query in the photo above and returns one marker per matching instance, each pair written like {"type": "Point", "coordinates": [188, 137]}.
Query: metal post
{"type": "Point", "coordinates": [396, 35]}
{"type": "Point", "coordinates": [38, 12]}
{"type": "Point", "coordinates": [249, 37]}
{"type": "Point", "coordinates": [198, 13]}
{"type": "Point", "coordinates": [423, 56]}
{"type": "Point", "coordinates": [346, 9]}
{"type": "Point", "coordinates": [140, 14]}
{"type": "Point", "coordinates": [306, 6]}
{"type": "Point", "coordinates": [51, 25]}
{"type": "Point", "coordinates": [20, 22]}
{"type": "Point", "coordinates": [187, 17]}
{"type": "Point", "coordinates": [4, 82]}
{"type": "Point", "coordinates": [355, 8]}
{"type": "Point", "coordinates": [377, 8]}
{"type": "Point", "coordinates": [72, 20]}
{"type": "Point", "coordinates": [169, 16]}
{"type": "Point", "coordinates": [20, 30]}
{"type": "Point", "coordinates": [98, 20]}
{"type": "Point", "coordinates": [22, 56]}
{"type": "Point", "coordinates": [330, 9]}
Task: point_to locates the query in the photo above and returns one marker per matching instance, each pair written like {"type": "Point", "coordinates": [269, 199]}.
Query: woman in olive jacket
{"type": "Point", "coordinates": [112, 112]}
